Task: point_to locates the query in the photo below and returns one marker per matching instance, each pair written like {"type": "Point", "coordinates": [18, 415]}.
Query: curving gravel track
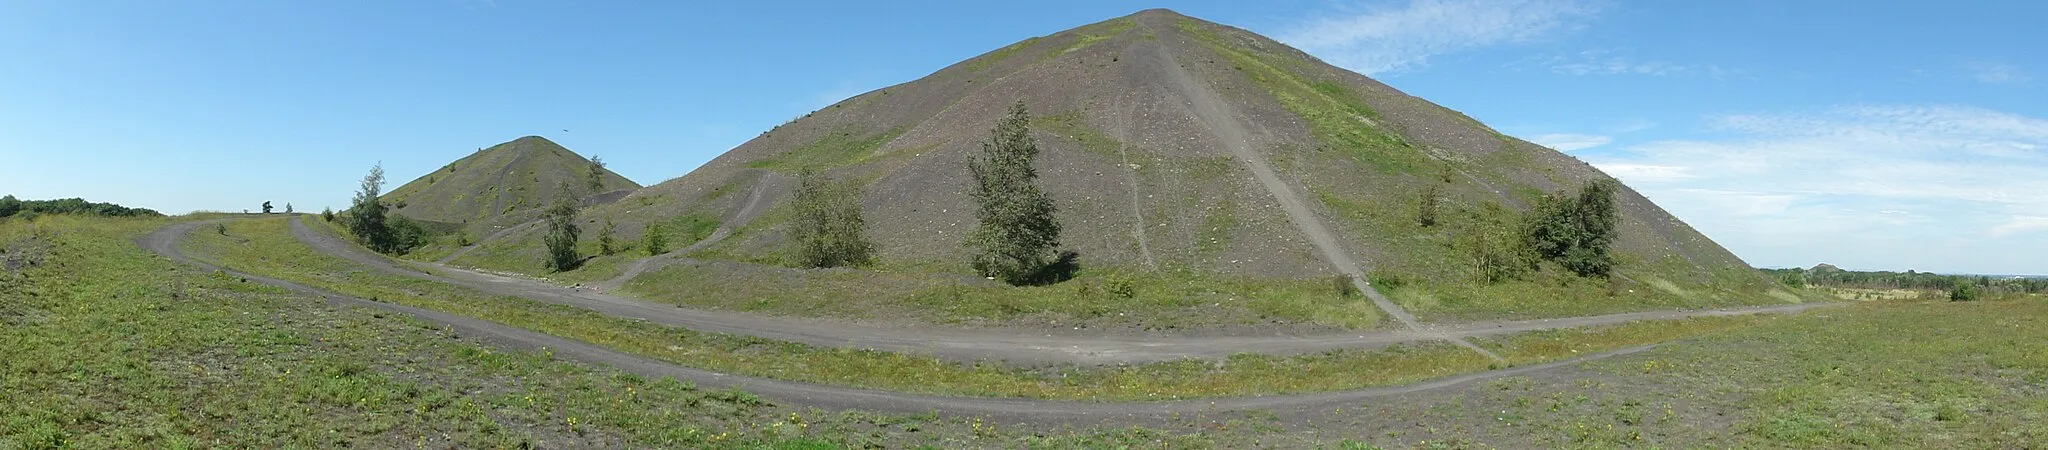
{"type": "Point", "coordinates": [955, 343]}
{"type": "Point", "coordinates": [756, 200]}
{"type": "Point", "coordinates": [164, 242]}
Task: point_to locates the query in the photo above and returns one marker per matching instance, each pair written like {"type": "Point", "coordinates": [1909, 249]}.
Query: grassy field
{"type": "Point", "coordinates": [107, 346]}
{"type": "Point", "coordinates": [265, 246]}
{"type": "Point", "coordinates": [1097, 298]}
{"type": "Point", "coordinates": [1880, 374]}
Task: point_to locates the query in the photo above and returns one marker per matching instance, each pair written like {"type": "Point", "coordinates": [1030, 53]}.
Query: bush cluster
{"type": "Point", "coordinates": [10, 206]}
{"type": "Point", "coordinates": [828, 230]}
{"type": "Point", "coordinates": [1576, 231]}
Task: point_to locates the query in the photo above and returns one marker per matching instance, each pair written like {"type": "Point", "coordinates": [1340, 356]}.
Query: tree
{"type": "Point", "coordinates": [596, 176]}
{"type": "Point", "coordinates": [266, 207]}
{"type": "Point", "coordinates": [605, 244]}
{"type": "Point", "coordinates": [1426, 205]}
{"type": "Point", "coordinates": [366, 214]}
{"type": "Point", "coordinates": [288, 208]}
{"type": "Point", "coordinates": [327, 214]}
{"type": "Point", "coordinates": [1016, 237]}
{"type": "Point", "coordinates": [561, 236]}
{"type": "Point", "coordinates": [1576, 231]}
{"type": "Point", "coordinates": [828, 230]}
{"type": "Point", "coordinates": [9, 205]}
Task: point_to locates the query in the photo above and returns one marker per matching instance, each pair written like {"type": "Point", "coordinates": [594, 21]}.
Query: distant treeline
{"type": "Point", "coordinates": [1831, 276]}
{"type": "Point", "coordinates": [9, 206]}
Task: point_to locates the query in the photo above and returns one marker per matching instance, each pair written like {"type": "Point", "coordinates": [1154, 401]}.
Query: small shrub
{"type": "Point", "coordinates": [1387, 278]}
{"type": "Point", "coordinates": [327, 214]}
{"type": "Point", "coordinates": [406, 234]}
{"type": "Point", "coordinates": [1488, 240]}
{"type": "Point", "coordinates": [1426, 205]}
{"type": "Point", "coordinates": [1341, 285]}
{"type": "Point", "coordinates": [1963, 291]}
{"type": "Point", "coordinates": [654, 240]}
{"type": "Point", "coordinates": [1121, 288]}
{"type": "Point", "coordinates": [221, 228]}
{"type": "Point", "coordinates": [828, 228]}
{"type": "Point", "coordinates": [605, 244]}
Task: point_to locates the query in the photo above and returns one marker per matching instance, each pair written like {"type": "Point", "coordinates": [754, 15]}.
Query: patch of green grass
{"type": "Point", "coordinates": [1893, 375]}
{"type": "Point", "coordinates": [1093, 33]}
{"type": "Point", "coordinates": [687, 229]}
{"type": "Point", "coordinates": [1072, 124]}
{"type": "Point", "coordinates": [264, 246]}
{"type": "Point", "coordinates": [116, 348]}
{"type": "Point", "coordinates": [984, 61]}
{"type": "Point", "coordinates": [1337, 117]}
{"type": "Point", "coordinates": [841, 147]}
{"type": "Point", "coordinates": [1098, 297]}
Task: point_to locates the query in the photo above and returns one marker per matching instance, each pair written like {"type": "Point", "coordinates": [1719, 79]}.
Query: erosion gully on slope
{"type": "Point", "coordinates": [958, 344]}
{"type": "Point", "coordinates": [164, 242]}
{"type": "Point", "coordinates": [1212, 111]}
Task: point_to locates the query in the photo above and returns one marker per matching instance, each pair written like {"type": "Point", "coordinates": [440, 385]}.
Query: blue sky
{"type": "Point", "coordinates": [1871, 135]}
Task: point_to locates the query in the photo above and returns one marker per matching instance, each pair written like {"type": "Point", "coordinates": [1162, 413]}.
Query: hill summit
{"type": "Point", "coordinates": [508, 179]}
{"type": "Point", "coordinates": [1194, 158]}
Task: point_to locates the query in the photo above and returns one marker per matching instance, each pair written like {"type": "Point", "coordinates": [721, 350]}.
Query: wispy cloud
{"type": "Point", "coordinates": [1904, 185]}
{"type": "Point", "coordinates": [1610, 62]}
{"type": "Point", "coordinates": [1388, 38]}
{"type": "Point", "coordinates": [1570, 142]}
{"type": "Point", "coordinates": [2020, 225]}
{"type": "Point", "coordinates": [1997, 73]}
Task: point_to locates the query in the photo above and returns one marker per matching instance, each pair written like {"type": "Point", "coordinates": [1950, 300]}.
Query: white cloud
{"type": "Point", "coordinates": [1644, 173]}
{"type": "Point", "coordinates": [1997, 73]}
{"type": "Point", "coordinates": [1890, 186]}
{"type": "Point", "coordinates": [1568, 142]}
{"type": "Point", "coordinates": [1388, 38]}
{"type": "Point", "coordinates": [2018, 225]}
{"type": "Point", "coordinates": [1609, 62]}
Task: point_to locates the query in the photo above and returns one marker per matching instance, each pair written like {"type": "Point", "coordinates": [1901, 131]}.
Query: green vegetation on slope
{"type": "Point", "coordinates": [513, 177]}
{"type": "Point", "coordinates": [841, 147]}
{"type": "Point", "coordinates": [1337, 118]}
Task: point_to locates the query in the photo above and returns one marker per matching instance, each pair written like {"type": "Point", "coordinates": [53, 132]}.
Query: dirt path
{"type": "Point", "coordinates": [746, 213]}
{"type": "Point", "coordinates": [1222, 121]}
{"type": "Point", "coordinates": [164, 242]}
{"type": "Point", "coordinates": [960, 344]}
